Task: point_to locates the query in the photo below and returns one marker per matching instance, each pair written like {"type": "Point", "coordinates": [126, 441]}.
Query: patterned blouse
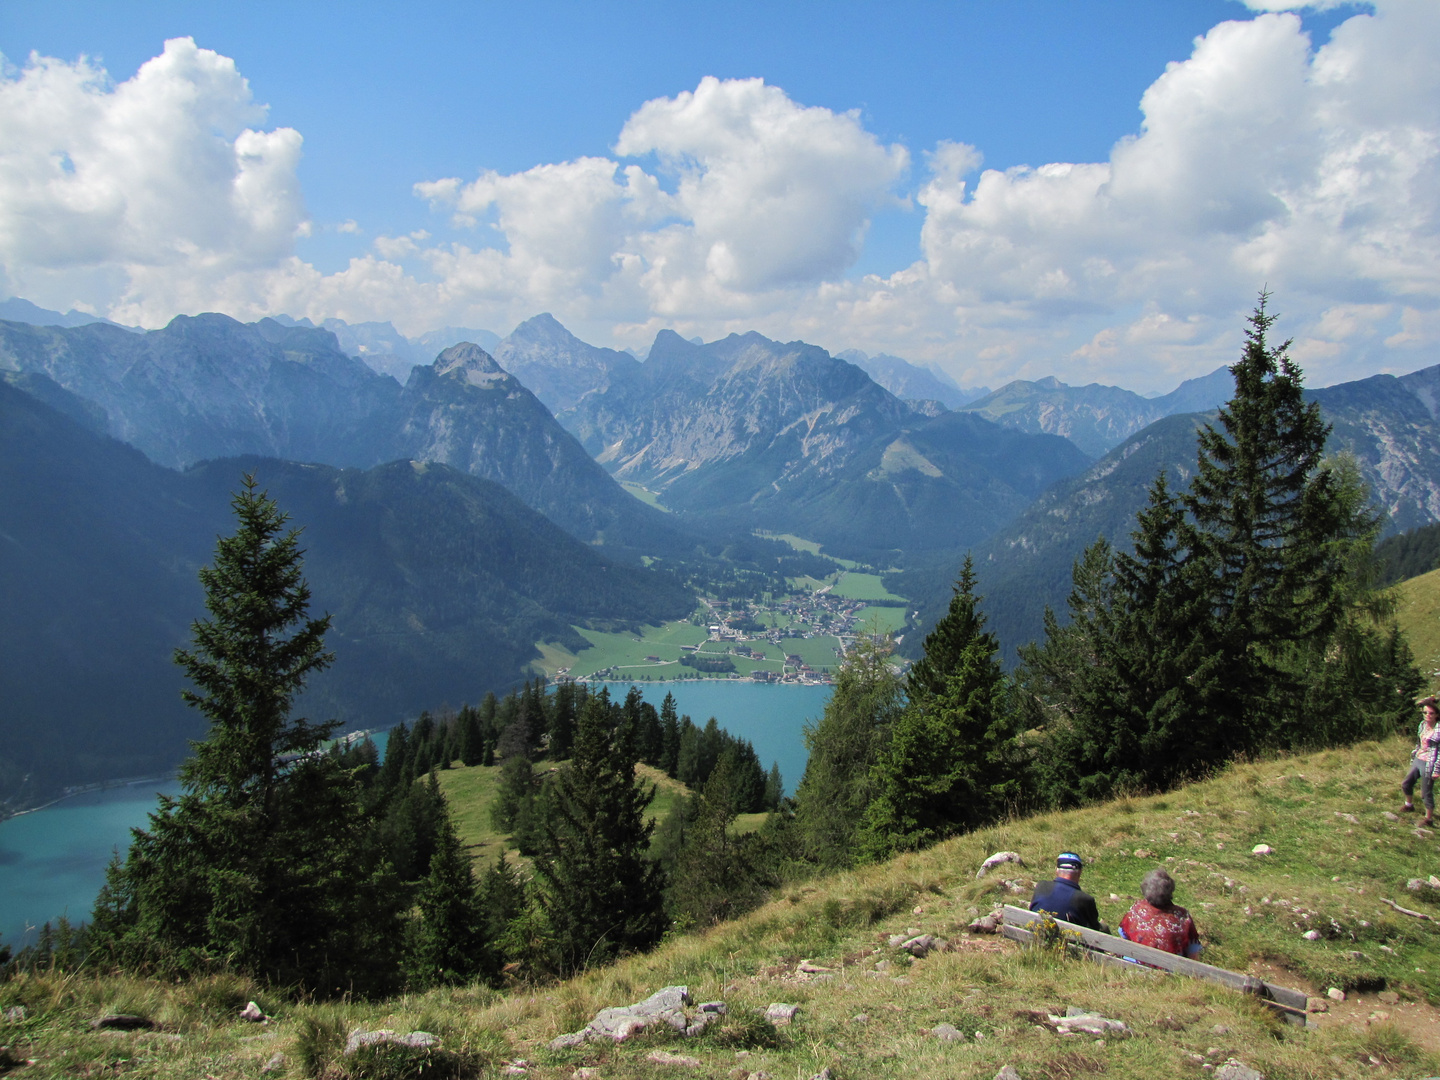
{"type": "Point", "coordinates": [1170, 929]}
{"type": "Point", "coordinates": [1429, 745]}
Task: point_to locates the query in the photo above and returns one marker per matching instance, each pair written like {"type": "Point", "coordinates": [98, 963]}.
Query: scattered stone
{"type": "Point", "coordinates": [998, 859]}
{"type": "Point", "coordinates": [1388, 997]}
{"type": "Point", "coordinates": [1424, 834]}
{"type": "Point", "coordinates": [780, 1014]}
{"type": "Point", "coordinates": [1311, 935]}
{"type": "Point", "coordinates": [1351, 818]}
{"type": "Point", "coordinates": [664, 1057]}
{"type": "Point", "coordinates": [1077, 1021]}
{"type": "Point", "coordinates": [15, 1014]}
{"type": "Point", "coordinates": [1388, 816]}
{"type": "Point", "coordinates": [1234, 1069]}
{"type": "Point", "coordinates": [587, 1072]}
{"type": "Point", "coordinates": [1007, 1072]}
{"type": "Point", "coordinates": [519, 1067]}
{"type": "Point", "coordinates": [716, 1008]}
{"type": "Point", "coordinates": [917, 910]}
{"type": "Point", "coordinates": [883, 965]}
{"type": "Point", "coordinates": [895, 940]}
{"type": "Point", "coordinates": [1220, 1029]}
{"type": "Point", "coordinates": [947, 1033]}
{"type": "Point", "coordinates": [1316, 1005]}
{"type": "Point", "coordinates": [809, 967]}
{"type": "Point", "coordinates": [1262, 849]}
{"type": "Point", "coordinates": [253, 1013]}
{"type": "Point", "coordinates": [620, 1023]}
{"type": "Point", "coordinates": [1142, 853]}
{"type": "Point", "coordinates": [122, 1022]}
{"type": "Point", "coordinates": [1415, 884]}
{"type": "Point", "coordinates": [920, 946]}
{"type": "Point", "coordinates": [860, 1018]}
{"type": "Point", "coordinates": [823, 1074]}
{"type": "Point", "coordinates": [275, 1064]}
{"type": "Point", "coordinates": [986, 924]}
{"type": "Point", "coordinates": [417, 1040]}
{"type": "Point", "coordinates": [1335, 994]}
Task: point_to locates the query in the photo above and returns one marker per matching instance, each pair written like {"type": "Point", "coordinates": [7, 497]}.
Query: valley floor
{"type": "Point", "coordinates": [1340, 850]}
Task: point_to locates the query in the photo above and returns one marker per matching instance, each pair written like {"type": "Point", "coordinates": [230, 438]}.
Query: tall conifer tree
{"type": "Point", "coordinates": [601, 894]}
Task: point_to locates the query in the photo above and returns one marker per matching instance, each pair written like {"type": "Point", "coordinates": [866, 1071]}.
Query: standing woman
{"type": "Point", "coordinates": [1423, 766]}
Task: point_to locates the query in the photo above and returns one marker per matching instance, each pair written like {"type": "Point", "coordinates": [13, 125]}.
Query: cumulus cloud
{"type": "Point", "coordinates": [163, 177]}
{"type": "Point", "coordinates": [1261, 160]}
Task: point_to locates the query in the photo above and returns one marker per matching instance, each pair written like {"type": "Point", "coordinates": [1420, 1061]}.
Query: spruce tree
{"type": "Point", "coordinates": [844, 746]}
{"type": "Point", "coordinates": [265, 862]}
{"type": "Point", "coordinates": [448, 945]}
{"type": "Point", "coordinates": [952, 762]}
{"type": "Point", "coordinates": [713, 878]}
{"type": "Point", "coordinates": [601, 895]}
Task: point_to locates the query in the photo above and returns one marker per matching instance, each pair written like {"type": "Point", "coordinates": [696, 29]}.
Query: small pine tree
{"type": "Point", "coordinates": [952, 762]}
{"type": "Point", "coordinates": [601, 894]}
{"type": "Point", "coordinates": [713, 879]}
{"type": "Point", "coordinates": [448, 946]}
{"type": "Point", "coordinates": [844, 746]}
{"type": "Point", "coordinates": [265, 862]}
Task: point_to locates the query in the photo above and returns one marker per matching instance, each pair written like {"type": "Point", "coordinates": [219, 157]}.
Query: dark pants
{"type": "Point", "coordinates": [1427, 784]}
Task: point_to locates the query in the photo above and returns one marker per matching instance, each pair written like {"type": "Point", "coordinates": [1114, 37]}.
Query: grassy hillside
{"type": "Point", "coordinates": [1336, 854]}
{"type": "Point", "coordinates": [1419, 617]}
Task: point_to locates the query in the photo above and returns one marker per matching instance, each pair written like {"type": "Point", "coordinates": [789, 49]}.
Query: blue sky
{"type": "Point", "coordinates": [841, 201]}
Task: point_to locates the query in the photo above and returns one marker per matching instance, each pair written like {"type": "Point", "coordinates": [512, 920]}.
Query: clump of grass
{"type": "Point", "coordinates": [320, 1042]}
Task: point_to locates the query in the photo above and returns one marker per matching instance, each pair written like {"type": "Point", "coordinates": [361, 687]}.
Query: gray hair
{"type": "Point", "coordinates": [1158, 888]}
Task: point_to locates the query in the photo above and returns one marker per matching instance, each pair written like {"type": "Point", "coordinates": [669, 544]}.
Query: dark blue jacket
{"type": "Point", "coordinates": [1066, 901]}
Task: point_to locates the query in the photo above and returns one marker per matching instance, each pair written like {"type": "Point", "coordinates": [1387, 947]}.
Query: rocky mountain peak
{"type": "Point", "coordinates": [473, 365]}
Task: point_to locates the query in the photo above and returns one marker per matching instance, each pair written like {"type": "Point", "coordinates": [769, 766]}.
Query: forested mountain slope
{"type": "Point", "coordinates": [439, 582]}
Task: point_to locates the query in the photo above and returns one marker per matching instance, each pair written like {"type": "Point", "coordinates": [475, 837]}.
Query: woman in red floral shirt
{"type": "Point", "coordinates": [1159, 923]}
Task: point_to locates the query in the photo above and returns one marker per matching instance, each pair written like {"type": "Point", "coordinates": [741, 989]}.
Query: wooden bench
{"type": "Point", "coordinates": [1111, 950]}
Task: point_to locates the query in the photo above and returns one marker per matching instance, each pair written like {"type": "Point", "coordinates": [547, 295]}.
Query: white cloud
{"type": "Point", "coordinates": [1261, 161]}
{"type": "Point", "coordinates": [162, 177]}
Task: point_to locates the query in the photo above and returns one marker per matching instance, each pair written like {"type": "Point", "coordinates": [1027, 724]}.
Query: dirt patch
{"type": "Point", "coordinates": [1417, 1019]}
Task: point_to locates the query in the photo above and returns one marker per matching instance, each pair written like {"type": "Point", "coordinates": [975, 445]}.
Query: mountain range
{"type": "Point", "coordinates": [911, 382]}
{"type": "Point", "coordinates": [208, 386]}
{"type": "Point", "coordinates": [749, 432]}
{"type": "Point", "coordinates": [439, 583]}
{"type": "Point", "coordinates": [1096, 418]}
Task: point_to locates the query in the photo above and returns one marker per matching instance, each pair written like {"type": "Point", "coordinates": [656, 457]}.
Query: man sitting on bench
{"type": "Point", "coordinates": [1158, 922]}
{"type": "Point", "coordinates": [1064, 898]}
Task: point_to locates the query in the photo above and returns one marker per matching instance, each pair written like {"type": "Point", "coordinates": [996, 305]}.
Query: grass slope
{"type": "Point", "coordinates": [1419, 616]}
{"type": "Point", "coordinates": [1328, 872]}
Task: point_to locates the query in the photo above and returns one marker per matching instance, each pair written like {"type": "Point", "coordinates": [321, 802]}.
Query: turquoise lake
{"type": "Point", "coordinates": [52, 861]}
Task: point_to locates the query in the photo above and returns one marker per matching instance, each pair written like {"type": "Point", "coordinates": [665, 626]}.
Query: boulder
{"type": "Point", "coordinates": [1335, 994]}
{"type": "Point", "coordinates": [622, 1022]}
{"type": "Point", "coordinates": [947, 1033]}
{"type": "Point", "coordinates": [1077, 1021]}
{"type": "Point", "coordinates": [1262, 849]}
{"type": "Point", "coordinates": [998, 859]}
{"type": "Point", "coordinates": [780, 1014]}
{"type": "Point", "coordinates": [1234, 1069]}
{"type": "Point", "coordinates": [986, 924]}
{"type": "Point", "coordinates": [253, 1013]}
{"type": "Point", "coordinates": [919, 946]}
{"type": "Point", "coordinates": [416, 1040]}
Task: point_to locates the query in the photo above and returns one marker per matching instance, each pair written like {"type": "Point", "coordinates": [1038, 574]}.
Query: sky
{"type": "Point", "coordinates": [1006, 189]}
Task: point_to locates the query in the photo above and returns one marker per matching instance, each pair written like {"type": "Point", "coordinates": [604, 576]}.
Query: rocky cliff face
{"type": "Point", "coordinates": [1095, 418]}
{"type": "Point", "coordinates": [786, 437]}
{"type": "Point", "coordinates": [557, 366]}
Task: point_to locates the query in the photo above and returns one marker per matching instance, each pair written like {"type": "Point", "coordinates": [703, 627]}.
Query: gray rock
{"type": "Point", "coordinates": [823, 1074]}
{"type": "Point", "coordinates": [1007, 1072]}
{"type": "Point", "coordinates": [569, 1041]}
{"type": "Point", "coordinates": [253, 1013]}
{"type": "Point", "coordinates": [986, 924]}
{"type": "Point", "coordinates": [780, 1014]}
{"type": "Point", "coordinates": [276, 1063]}
{"type": "Point", "coordinates": [717, 1007]}
{"type": "Point", "coordinates": [947, 1033]}
{"type": "Point", "coordinates": [1237, 1070]}
{"type": "Point", "coordinates": [416, 1040]}
{"type": "Point", "coordinates": [1335, 994]}
{"type": "Point", "coordinates": [15, 1014]}
{"type": "Point", "coordinates": [1000, 858]}
{"type": "Point", "coordinates": [896, 940]}
{"type": "Point", "coordinates": [919, 946]}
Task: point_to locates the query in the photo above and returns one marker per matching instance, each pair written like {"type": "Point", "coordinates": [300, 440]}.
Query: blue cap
{"type": "Point", "coordinates": [1068, 860]}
